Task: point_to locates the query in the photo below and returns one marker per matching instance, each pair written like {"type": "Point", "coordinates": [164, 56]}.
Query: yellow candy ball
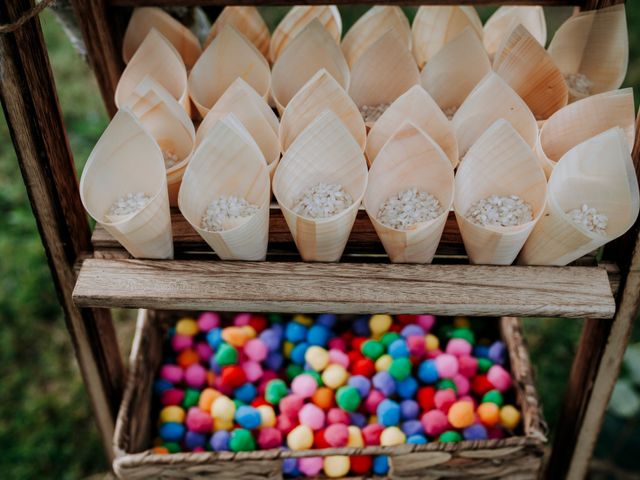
{"type": "Point", "coordinates": [392, 436]}
{"type": "Point", "coordinates": [336, 466]}
{"type": "Point", "coordinates": [172, 413]}
{"type": "Point", "coordinates": [431, 342]}
{"type": "Point", "coordinates": [187, 326]}
{"type": "Point", "coordinates": [267, 416]}
{"type": "Point", "coordinates": [223, 408]}
{"type": "Point", "coordinates": [383, 362]}
{"type": "Point", "coordinates": [379, 324]}
{"type": "Point", "coordinates": [300, 438]}
{"type": "Point", "coordinates": [249, 331]}
{"type": "Point", "coordinates": [355, 437]}
{"type": "Point", "coordinates": [219, 424]}
{"type": "Point", "coordinates": [461, 322]}
{"type": "Point", "coordinates": [287, 348]}
{"type": "Point", "coordinates": [509, 417]}
{"type": "Point", "coordinates": [303, 320]}
{"type": "Point", "coordinates": [334, 376]}
{"type": "Point", "coordinates": [317, 358]}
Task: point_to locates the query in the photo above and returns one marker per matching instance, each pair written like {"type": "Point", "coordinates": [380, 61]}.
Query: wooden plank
{"type": "Point", "coordinates": [345, 287]}
{"type": "Point", "coordinates": [193, 3]}
{"type": "Point", "coordinates": [31, 107]}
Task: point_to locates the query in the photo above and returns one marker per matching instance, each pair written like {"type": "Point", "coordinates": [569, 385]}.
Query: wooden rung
{"type": "Point", "coordinates": [345, 288]}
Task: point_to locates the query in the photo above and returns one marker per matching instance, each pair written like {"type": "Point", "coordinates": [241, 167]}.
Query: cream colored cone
{"type": "Point", "coordinates": [383, 73]}
{"type": "Point", "coordinates": [313, 49]}
{"type": "Point", "coordinates": [527, 68]}
{"type": "Point", "coordinates": [593, 43]}
{"type": "Point", "coordinates": [420, 109]}
{"type": "Point", "coordinates": [228, 57]}
{"type": "Point", "coordinates": [127, 160]}
{"type": "Point", "coordinates": [506, 18]}
{"type": "Point", "coordinates": [455, 70]}
{"type": "Point", "coordinates": [371, 26]}
{"type": "Point", "coordinates": [158, 59]}
{"type": "Point", "coordinates": [499, 163]}
{"type": "Point", "coordinates": [254, 114]}
{"type": "Point", "coordinates": [248, 21]}
{"type": "Point", "coordinates": [599, 173]}
{"type": "Point", "coordinates": [144, 19]}
{"type": "Point", "coordinates": [228, 163]}
{"type": "Point", "coordinates": [582, 120]}
{"type": "Point", "coordinates": [435, 26]}
{"type": "Point", "coordinates": [169, 125]}
{"type": "Point", "coordinates": [297, 19]}
{"type": "Point", "coordinates": [491, 100]}
{"type": "Point", "coordinates": [324, 153]}
{"type": "Point", "coordinates": [320, 93]}
{"type": "Point", "coordinates": [410, 159]}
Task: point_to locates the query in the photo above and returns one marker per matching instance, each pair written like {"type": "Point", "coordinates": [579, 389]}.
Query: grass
{"type": "Point", "coordinates": [46, 429]}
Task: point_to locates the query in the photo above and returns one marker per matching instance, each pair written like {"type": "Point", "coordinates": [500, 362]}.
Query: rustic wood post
{"type": "Point", "coordinates": [33, 113]}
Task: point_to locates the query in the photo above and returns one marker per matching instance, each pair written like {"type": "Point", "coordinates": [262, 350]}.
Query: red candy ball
{"type": "Point", "coordinates": [233, 376]}
{"type": "Point", "coordinates": [373, 400]}
{"type": "Point", "coordinates": [425, 398]}
{"type": "Point", "coordinates": [360, 464]}
{"type": "Point", "coordinates": [319, 441]}
{"type": "Point", "coordinates": [371, 434]}
{"type": "Point", "coordinates": [481, 385]}
{"type": "Point", "coordinates": [337, 415]}
{"type": "Point", "coordinates": [286, 424]}
{"type": "Point", "coordinates": [258, 322]}
{"type": "Point", "coordinates": [173, 396]}
{"type": "Point", "coordinates": [406, 319]}
{"type": "Point", "coordinates": [364, 366]}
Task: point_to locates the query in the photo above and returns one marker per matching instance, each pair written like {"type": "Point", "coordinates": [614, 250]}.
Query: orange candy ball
{"type": "Point", "coordinates": [324, 398]}
{"type": "Point", "coordinates": [461, 414]}
{"type": "Point", "coordinates": [187, 358]}
{"type": "Point", "coordinates": [489, 414]}
{"type": "Point", "coordinates": [207, 397]}
{"type": "Point", "coordinates": [235, 336]}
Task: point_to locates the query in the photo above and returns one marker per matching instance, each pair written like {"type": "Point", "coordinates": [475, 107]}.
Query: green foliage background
{"type": "Point", "coordinates": [46, 429]}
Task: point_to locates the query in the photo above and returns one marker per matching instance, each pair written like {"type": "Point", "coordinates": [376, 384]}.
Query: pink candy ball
{"type": "Point", "coordinates": [269, 437]}
{"type": "Point", "coordinates": [173, 396]}
{"type": "Point", "coordinates": [195, 375]}
{"type": "Point", "coordinates": [337, 415]}
{"type": "Point", "coordinates": [199, 420]}
{"type": "Point", "coordinates": [291, 405]}
{"type": "Point", "coordinates": [499, 378]}
{"type": "Point", "coordinates": [208, 321]}
{"type": "Point", "coordinates": [312, 416]}
{"type": "Point", "coordinates": [444, 399]}
{"type": "Point", "coordinates": [434, 422]}
{"type": "Point", "coordinates": [337, 435]}
{"type": "Point", "coordinates": [204, 351]}
{"type": "Point", "coordinates": [371, 434]}
{"type": "Point", "coordinates": [198, 449]}
{"type": "Point", "coordinates": [310, 466]}
{"type": "Point", "coordinates": [171, 373]}
{"type": "Point", "coordinates": [462, 384]}
{"type": "Point", "coordinates": [446, 365]}
{"type": "Point", "coordinates": [256, 350]}
{"type": "Point", "coordinates": [223, 388]}
{"type": "Point", "coordinates": [304, 385]}
{"type": "Point", "coordinates": [181, 342]}
{"type": "Point", "coordinates": [373, 400]}
{"type": "Point", "coordinates": [337, 343]}
{"type": "Point", "coordinates": [416, 345]}
{"type": "Point", "coordinates": [458, 347]}
{"type": "Point", "coordinates": [338, 357]}
{"type": "Point", "coordinates": [252, 370]}
{"type": "Point", "coordinates": [433, 354]}
{"type": "Point", "coordinates": [426, 322]}
{"type": "Point", "coordinates": [468, 366]}
{"type": "Point", "coordinates": [242, 319]}
{"type": "Point", "coordinates": [286, 424]}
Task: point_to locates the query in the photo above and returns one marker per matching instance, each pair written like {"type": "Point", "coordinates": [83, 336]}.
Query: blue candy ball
{"type": "Point", "coordinates": [409, 409]}
{"type": "Point", "coordinates": [407, 387]}
{"type": "Point", "coordinates": [298, 353]}
{"type": "Point", "coordinates": [290, 467]}
{"type": "Point", "coordinates": [388, 413]}
{"type": "Point", "coordinates": [360, 383]}
{"type": "Point", "coordinates": [214, 338]}
{"type": "Point", "coordinates": [327, 319]}
{"type": "Point", "coordinates": [398, 349]}
{"type": "Point", "coordinates": [213, 365]}
{"type": "Point", "coordinates": [274, 361]}
{"type": "Point", "coordinates": [476, 431]}
{"type": "Point", "coordinates": [384, 382]}
{"type": "Point", "coordinates": [380, 465]}
{"type": "Point", "coordinates": [172, 432]}
{"type": "Point", "coordinates": [412, 329]}
{"type": "Point", "coordinates": [412, 427]}
{"type": "Point", "coordinates": [220, 441]}
{"type": "Point", "coordinates": [417, 439]}
{"type": "Point", "coordinates": [246, 393]}
{"type": "Point", "coordinates": [318, 335]}
{"type": "Point", "coordinates": [194, 439]}
{"type": "Point", "coordinates": [360, 327]}
{"type": "Point", "coordinates": [427, 372]}
{"type": "Point", "coordinates": [161, 385]}
{"type": "Point", "coordinates": [295, 332]}
{"type": "Point", "coordinates": [248, 417]}
{"type": "Point", "coordinates": [481, 351]}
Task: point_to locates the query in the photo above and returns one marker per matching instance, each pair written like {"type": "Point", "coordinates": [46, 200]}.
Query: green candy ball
{"type": "Point", "coordinates": [484, 364]}
{"type": "Point", "coordinates": [400, 368]}
{"type": "Point", "coordinates": [173, 447]}
{"type": "Point", "coordinates": [348, 398]}
{"type": "Point", "coordinates": [388, 338]}
{"type": "Point", "coordinates": [191, 398]}
{"type": "Point", "coordinates": [275, 318]}
{"type": "Point", "coordinates": [465, 333]}
{"type": "Point", "coordinates": [293, 370]}
{"type": "Point", "coordinates": [450, 436]}
{"type": "Point", "coordinates": [238, 403]}
{"type": "Point", "coordinates": [226, 355]}
{"type": "Point", "coordinates": [276, 389]}
{"type": "Point", "coordinates": [493, 396]}
{"type": "Point", "coordinates": [446, 383]}
{"type": "Point", "coordinates": [241, 440]}
{"type": "Point", "coordinates": [372, 349]}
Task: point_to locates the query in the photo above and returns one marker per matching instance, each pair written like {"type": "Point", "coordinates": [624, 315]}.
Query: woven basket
{"type": "Point", "coordinates": [516, 457]}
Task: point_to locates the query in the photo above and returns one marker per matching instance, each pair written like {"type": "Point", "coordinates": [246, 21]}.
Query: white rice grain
{"type": "Point", "coordinates": [579, 82]}
{"type": "Point", "coordinates": [323, 200]}
{"type": "Point", "coordinates": [589, 218]}
{"type": "Point", "coordinates": [371, 113]}
{"type": "Point", "coordinates": [128, 204]}
{"type": "Point", "coordinates": [223, 209]}
{"type": "Point", "coordinates": [501, 211]}
{"type": "Point", "coordinates": [407, 209]}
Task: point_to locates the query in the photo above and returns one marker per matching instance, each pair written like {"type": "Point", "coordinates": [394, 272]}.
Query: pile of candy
{"type": "Point", "coordinates": [311, 383]}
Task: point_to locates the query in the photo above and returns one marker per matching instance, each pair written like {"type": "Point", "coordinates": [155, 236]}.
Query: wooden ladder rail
{"type": "Point", "coordinates": [35, 121]}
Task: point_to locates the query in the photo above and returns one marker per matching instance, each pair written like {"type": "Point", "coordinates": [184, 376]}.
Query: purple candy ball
{"type": "Point", "coordinates": [409, 409]}
{"type": "Point", "coordinates": [360, 383]}
{"type": "Point", "coordinates": [271, 338]}
{"type": "Point", "coordinates": [274, 361]}
{"type": "Point", "coordinates": [411, 329]}
{"type": "Point", "coordinates": [384, 382]}
{"type": "Point", "coordinates": [358, 419]}
{"type": "Point", "coordinates": [412, 427]}
{"type": "Point", "coordinates": [194, 439]}
{"type": "Point", "coordinates": [475, 432]}
{"type": "Point", "coordinates": [220, 441]}
{"type": "Point", "coordinates": [498, 352]}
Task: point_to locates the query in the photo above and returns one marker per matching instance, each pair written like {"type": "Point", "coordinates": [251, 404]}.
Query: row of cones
{"type": "Point", "coordinates": [446, 50]}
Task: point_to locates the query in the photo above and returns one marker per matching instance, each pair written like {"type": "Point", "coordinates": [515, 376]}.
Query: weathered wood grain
{"type": "Point", "coordinates": [31, 107]}
{"type": "Point", "coordinates": [345, 287]}
{"type": "Point", "coordinates": [129, 3]}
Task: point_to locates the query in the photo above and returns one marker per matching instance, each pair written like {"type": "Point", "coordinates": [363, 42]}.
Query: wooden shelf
{"type": "Point", "coordinates": [172, 3]}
